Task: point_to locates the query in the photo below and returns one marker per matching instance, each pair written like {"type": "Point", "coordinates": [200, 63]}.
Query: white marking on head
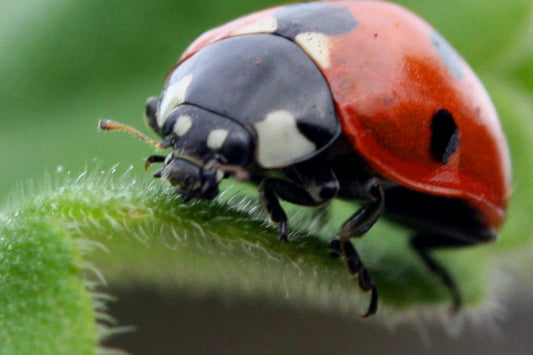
{"type": "Point", "coordinates": [317, 46]}
{"type": "Point", "coordinates": [173, 96]}
{"type": "Point", "coordinates": [264, 25]}
{"type": "Point", "coordinates": [216, 138]}
{"type": "Point", "coordinates": [183, 125]}
{"type": "Point", "coordinates": [280, 143]}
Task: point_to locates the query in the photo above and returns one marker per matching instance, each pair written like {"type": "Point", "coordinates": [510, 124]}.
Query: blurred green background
{"type": "Point", "coordinates": [64, 64]}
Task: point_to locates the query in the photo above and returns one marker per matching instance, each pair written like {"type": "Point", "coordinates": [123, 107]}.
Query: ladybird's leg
{"type": "Point", "coordinates": [153, 159]}
{"type": "Point", "coordinates": [271, 204]}
{"type": "Point", "coordinates": [423, 244]}
{"type": "Point", "coordinates": [362, 220]}
{"type": "Point", "coordinates": [356, 226]}
{"type": "Point", "coordinates": [314, 190]}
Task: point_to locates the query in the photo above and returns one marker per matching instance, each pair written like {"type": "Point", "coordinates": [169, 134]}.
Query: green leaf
{"type": "Point", "coordinates": [44, 305]}
{"type": "Point", "coordinates": [150, 235]}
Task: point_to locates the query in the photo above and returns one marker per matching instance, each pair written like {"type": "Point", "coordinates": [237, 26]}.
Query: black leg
{"type": "Point", "coordinates": [357, 226]}
{"type": "Point", "coordinates": [314, 187]}
{"type": "Point", "coordinates": [271, 204]}
{"type": "Point", "coordinates": [154, 159]}
{"type": "Point", "coordinates": [313, 191]}
{"type": "Point", "coordinates": [423, 244]}
{"type": "Point", "coordinates": [355, 265]}
{"type": "Point", "coordinates": [362, 220]}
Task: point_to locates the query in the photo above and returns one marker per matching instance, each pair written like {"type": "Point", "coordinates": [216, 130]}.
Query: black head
{"type": "Point", "coordinates": [206, 147]}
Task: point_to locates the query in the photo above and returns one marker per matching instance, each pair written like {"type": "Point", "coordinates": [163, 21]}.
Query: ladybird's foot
{"type": "Point", "coordinates": [457, 304]}
{"type": "Point", "coordinates": [367, 284]}
{"type": "Point", "coordinates": [335, 249]}
{"type": "Point", "coordinates": [283, 233]}
{"type": "Point", "coordinates": [355, 266]}
{"type": "Point", "coordinates": [187, 195]}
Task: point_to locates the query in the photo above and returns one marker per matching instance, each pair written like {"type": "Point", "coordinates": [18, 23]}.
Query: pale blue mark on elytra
{"type": "Point", "coordinates": [448, 55]}
{"type": "Point", "coordinates": [316, 17]}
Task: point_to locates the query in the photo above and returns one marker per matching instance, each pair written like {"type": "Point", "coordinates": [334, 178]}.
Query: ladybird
{"type": "Point", "coordinates": [358, 100]}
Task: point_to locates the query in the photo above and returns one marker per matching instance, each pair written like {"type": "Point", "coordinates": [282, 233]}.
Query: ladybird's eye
{"type": "Point", "coordinates": [151, 113]}
{"type": "Point", "coordinates": [237, 148]}
{"type": "Point", "coordinates": [444, 136]}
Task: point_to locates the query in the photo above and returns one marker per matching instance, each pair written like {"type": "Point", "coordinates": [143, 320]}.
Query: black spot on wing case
{"type": "Point", "coordinates": [444, 136]}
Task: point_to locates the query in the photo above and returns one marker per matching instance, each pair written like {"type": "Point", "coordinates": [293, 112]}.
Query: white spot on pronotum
{"type": "Point", "coordinates": [216, 138]}
{"type": "Point", "coordinates": [183, 125]}
{"type": "Point", "coordinates": [317, 46]}
{"type": "Point", "coordinates": [173, 96]}
{"type": "Point", "coordinates": [280, 143]}
{"type": "Point", "coordinates": [264, 25]}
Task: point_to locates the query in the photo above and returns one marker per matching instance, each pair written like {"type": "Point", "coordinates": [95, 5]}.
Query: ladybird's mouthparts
{"type": "Point", "coordinates": [194, 181]}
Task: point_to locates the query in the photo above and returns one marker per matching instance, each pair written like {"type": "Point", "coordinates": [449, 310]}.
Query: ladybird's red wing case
{"type": "Point", "coordinates": [402, 93]}
{"type": "Point", "coordinates": [398, 74]}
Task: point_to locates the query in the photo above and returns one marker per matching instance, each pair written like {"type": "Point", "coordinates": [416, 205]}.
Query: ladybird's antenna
{"type": "Point", "coordinates": [109, 125]}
